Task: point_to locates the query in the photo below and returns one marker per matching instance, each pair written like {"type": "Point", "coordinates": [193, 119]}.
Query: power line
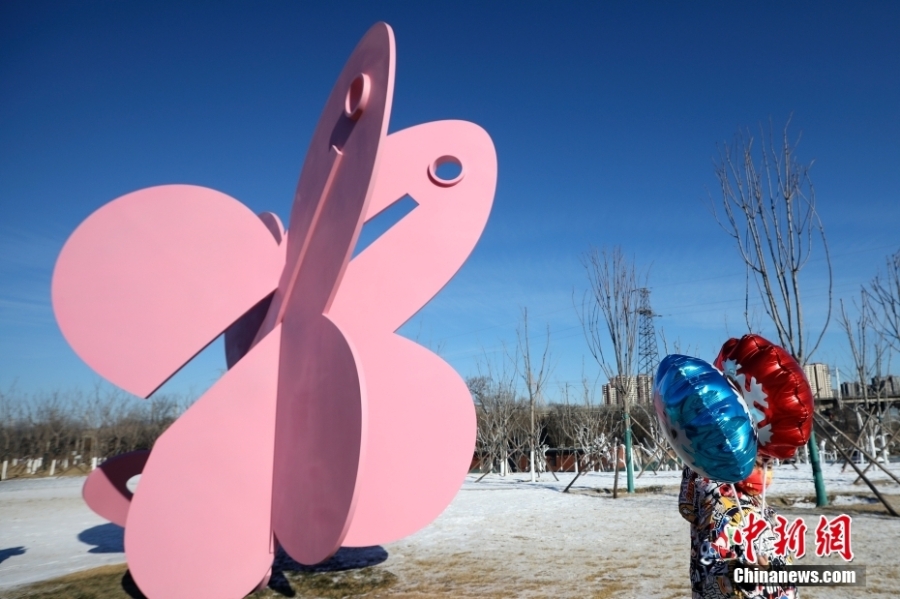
{"type": "Point", "coordinates": [680, 309]}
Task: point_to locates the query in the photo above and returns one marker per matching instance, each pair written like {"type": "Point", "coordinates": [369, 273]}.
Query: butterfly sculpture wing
{"type": "Point", "coordinates": [106, 489]}
{"type": "Point", "coordinates": [151, 278]}
{"type": "Point", "coordinates": [200, 523]}
{"type": "Point", "coordinates": [140, 287]}
{"type": "Point", "coordinates": [420, 412]}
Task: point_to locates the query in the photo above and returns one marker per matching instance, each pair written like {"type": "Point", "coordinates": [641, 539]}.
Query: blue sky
{"type": "Point", "coordinates": [605, 117]}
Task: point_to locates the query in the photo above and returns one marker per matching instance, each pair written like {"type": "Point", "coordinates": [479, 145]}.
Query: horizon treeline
{"type": "Point", "coordinates": [75, 426]}
{"type": "Point", "coordinates": [72, 427]}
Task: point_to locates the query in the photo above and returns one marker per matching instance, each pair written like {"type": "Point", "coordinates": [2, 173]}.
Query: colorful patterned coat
{"type": "Point", "coordinates": [716, 548]}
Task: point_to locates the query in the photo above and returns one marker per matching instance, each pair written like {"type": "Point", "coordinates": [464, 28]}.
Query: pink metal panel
{"type": "Point", "coordinates": [420, 413]}
{"type": "Point", "coordinates": [273, 224]}
{"type": "Point", "coordinates": [151, 278]}
{"type": "Point", "coordinates": [336, 179]}
{"type": "Point", "coordinates": [241, 334]}
{"type": "Point", "coordinates": [106, 488]}
{"type": "Point", "coordinates": [199, 524]}
{"type": "Point", "coordinates": [420, 440]}
{"type": "Point", "coordinates": [320, 430]}
{"type": "Point", "coordinates": [319, 436]}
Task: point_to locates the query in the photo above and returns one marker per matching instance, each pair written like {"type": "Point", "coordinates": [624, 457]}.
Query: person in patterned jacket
{"type": "Point", "coordinates": [718, 527]}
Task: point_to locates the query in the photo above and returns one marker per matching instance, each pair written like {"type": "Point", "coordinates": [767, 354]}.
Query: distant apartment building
{"type": "Point", "coordinates": [881, 386]}
{"type": "Point", "coordinates": [851, 389]}
{"type": "Point", "coordinates": [637, 389]}
{"type": "Point", "coordinates": [886, 386]}
{"type": "Point", "coordinates": [819, 378]}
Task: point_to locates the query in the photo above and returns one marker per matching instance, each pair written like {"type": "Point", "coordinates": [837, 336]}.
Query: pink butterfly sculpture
{"type": "Point", "coordinates": [301, 440]}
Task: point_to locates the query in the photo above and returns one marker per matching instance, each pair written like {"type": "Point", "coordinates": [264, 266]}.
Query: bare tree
{"type": "Point", "coordinates": [519, 437]}
{"type": "Point", "coordinates": [580, 427]}
{"type": "Point", "coordinates": [869, 351]}
{"type": "Point", "coordinates": [865, 347]}
{"type": "Point", "coordinates": [534, 377]}
{"type": "Point", "coordinates": [496, 407]}
{"type": "Point", "coordinates": [676, 347]}
{"type": "Point", "coordinates": [885, 293]}
{"type": "Point", "coordinates": [768, 206]}
{"type": "Point", "coordinates": [52, 432]}
{"type": "Point", "coordinates": [579, 430]}
{"type": "Point", "coordinates": [10, 416]}
{"type": "Point", "coordinates": [609, 316]}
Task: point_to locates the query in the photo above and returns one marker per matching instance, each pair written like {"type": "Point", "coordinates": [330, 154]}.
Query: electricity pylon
{"type": "Point", "coordinates": [648, 354]}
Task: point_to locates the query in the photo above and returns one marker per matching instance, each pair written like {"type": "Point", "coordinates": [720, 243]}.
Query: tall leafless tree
{"type": "Point", "coordinates": [609, 319]}
{"type": "Point", "coordinates": [608, 315]}
{"type": "Point", "coordinates": [869, 352]}
{"type": "Point", "coordinates": [885, 294]}
{"type": "Point", "coordinates": [768, 205]}
{"type": "Point", "coordinates": [534, 377]}
{"type": "Point", "coordinates": [53, 428]}
{"type": "Point", "coordinates": [493, 391]}
{"type": "Point", "coordinates": [865, 348]}
{"type": "Point", "coordinates": [676, 347]}
{"type": "Point", "coordinates": [580, 427]}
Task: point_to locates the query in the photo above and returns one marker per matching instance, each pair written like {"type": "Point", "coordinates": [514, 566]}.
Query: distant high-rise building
{"type": "Point", "coordinates": [893, 384]}
{"type": "Point", "coordinates": [880, 387]}
{"type": "Point", "coordinates": [851, 389]}
{"type": "Point", "coordinates": [639, 389]}
{"type": "Point", "coordinates": [885, 386]}
{"type": "Point", "coordinates": [819, 379]}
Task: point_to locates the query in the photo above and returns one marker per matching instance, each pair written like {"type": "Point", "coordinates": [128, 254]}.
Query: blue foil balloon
{"type": "Point", "coordinates": [705, 420]}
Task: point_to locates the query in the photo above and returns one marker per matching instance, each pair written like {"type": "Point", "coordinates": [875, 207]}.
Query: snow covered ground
{"type": "Point", "coordinates": [46, 530]}
{"type": "Point", "coordinates": [500, 537]}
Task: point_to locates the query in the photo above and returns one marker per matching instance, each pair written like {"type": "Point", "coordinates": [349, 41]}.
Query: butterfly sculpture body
{"type": "Point", "coordinates": [300, 441]}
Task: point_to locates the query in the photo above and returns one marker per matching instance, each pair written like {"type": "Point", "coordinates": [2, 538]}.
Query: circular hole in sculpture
{"type": "Point", "coordinates": [357, 96]}
{"type": "Point", "coordinates": [446, 171]}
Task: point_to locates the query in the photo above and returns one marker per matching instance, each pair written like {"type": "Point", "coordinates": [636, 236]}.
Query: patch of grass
{"type": "Point", "coordinates": [115, 582]}
{"type": "Point", "coordinates": [612, 589]}
{"type": "Point", "coordinates": [328, 585]}
{"type": "Point", "coordinates": [105, 582]}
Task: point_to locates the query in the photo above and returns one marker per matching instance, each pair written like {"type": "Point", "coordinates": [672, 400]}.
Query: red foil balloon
{"type": "Point", "coordinates": [775, 389]}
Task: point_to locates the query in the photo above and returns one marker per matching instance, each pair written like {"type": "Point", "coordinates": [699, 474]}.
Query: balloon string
{"type": "Point", "coordinates": [740, 516]}
{"type": "Point", "coordinates": [737, 500]}
{"type": "Point", "coordinates": [765, 480]}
